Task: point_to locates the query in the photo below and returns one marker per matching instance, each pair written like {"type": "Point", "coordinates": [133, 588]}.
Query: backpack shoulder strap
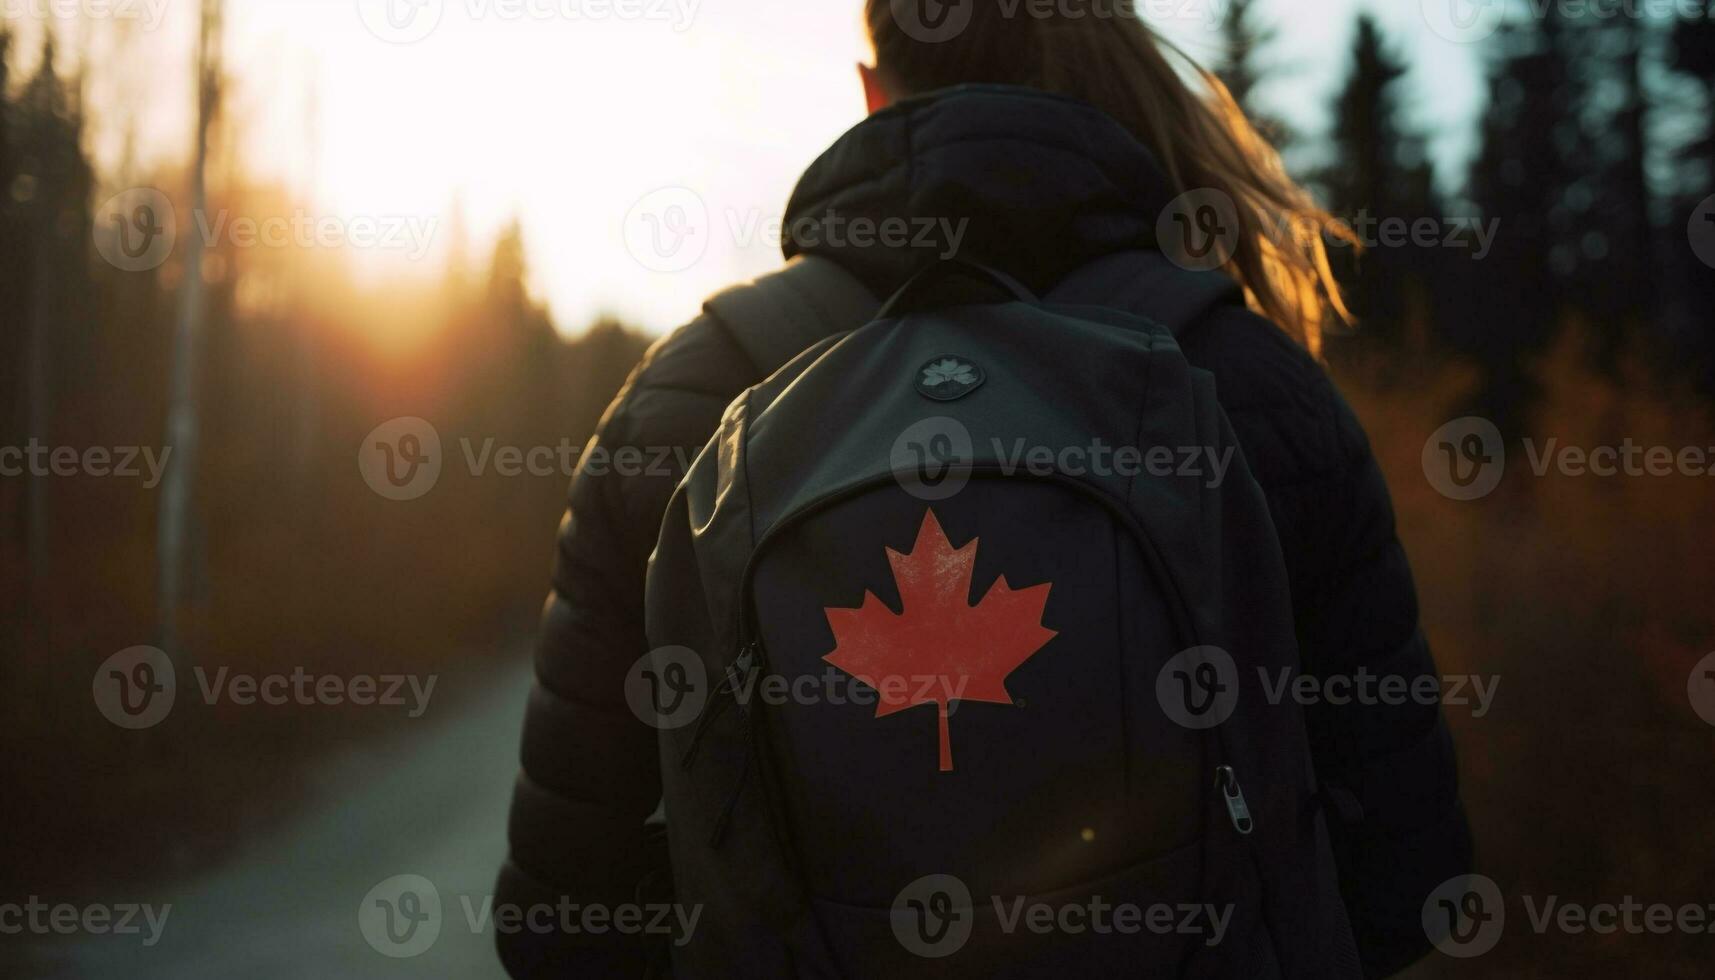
{"type": "Point", "coordinates": [780, 315]}
{"type": "Point", "coordinates": [1147, 283]}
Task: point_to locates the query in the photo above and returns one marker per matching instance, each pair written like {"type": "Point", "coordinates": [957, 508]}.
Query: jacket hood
{"type": "Point", "coordinates": [1032, 183]}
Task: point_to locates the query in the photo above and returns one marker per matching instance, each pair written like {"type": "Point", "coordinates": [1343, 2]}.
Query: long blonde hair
{"type": "Point", "coordinates": [1202, 138]}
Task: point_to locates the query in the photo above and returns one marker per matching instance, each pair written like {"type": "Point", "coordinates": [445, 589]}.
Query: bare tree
{"type": "Point", "coordinates": [177, 520]}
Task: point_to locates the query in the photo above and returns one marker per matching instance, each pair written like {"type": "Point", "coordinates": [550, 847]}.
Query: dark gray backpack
{"type": "Point", "coordinates": [981, 592]}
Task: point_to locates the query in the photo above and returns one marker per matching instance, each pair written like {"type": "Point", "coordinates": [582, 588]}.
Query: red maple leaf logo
{"type": "Point", "coordinates": [938, 648]}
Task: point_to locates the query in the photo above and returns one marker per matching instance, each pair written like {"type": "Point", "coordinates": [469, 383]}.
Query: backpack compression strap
{"type": "Point", "coordinates": [780, 315]}
{"type": "Point", "coordinates": [1148, 284]}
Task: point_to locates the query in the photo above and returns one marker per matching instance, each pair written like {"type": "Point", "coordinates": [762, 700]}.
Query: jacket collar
{"type": "Point", "coordinates": [1033, 183]}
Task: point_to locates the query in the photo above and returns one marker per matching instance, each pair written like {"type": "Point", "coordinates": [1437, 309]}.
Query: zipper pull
{"type": "Point", "coordinates": [743, 667]}
{"type": "Point", "coordinates": [737, 675]}
{"type": "Point", "coordinates": [1237, 809]}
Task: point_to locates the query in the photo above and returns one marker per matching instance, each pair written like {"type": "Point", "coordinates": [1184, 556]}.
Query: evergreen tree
{"type": "Point", "coordinates": [1690, 330]}
{"type": "Point", "coordinates": [1380, 177]}
{"type": "Point", "coordinates": [1694, 56]}
{"type": "Point", "coordinates": [12, 260]}
{"type": "Point", "coordinates": [51, 191]}
{"type": "Point", "coordinates": [1611, 270]}
{"type": "Point", "coordinates": [1523, 178]}
{"type": "Point", "coordinates": [1245, 37]}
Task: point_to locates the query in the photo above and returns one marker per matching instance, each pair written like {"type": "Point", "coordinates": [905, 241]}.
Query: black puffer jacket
{"type": "Point", "coordinates": [1046, 185]}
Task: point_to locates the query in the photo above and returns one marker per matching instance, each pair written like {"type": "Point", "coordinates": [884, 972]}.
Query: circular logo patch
{"type": "Point", "coordinates": [948, 377]}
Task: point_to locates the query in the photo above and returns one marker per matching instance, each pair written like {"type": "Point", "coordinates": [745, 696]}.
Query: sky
{"type": "Point", "coordinates": [648, 147]}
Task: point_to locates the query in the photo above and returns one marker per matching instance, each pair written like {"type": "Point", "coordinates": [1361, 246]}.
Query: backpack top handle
{"type": "Point", "coordinates": [918, 292]}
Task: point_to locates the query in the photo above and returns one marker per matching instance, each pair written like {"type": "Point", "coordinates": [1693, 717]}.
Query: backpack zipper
{"type": "Point", "coordinates": [738, 675]}
{"type": "Point", "coordinates": [1234, 795]}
